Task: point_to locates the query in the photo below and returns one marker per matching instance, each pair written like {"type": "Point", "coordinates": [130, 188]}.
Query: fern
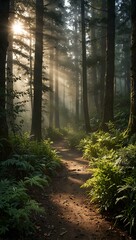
{"type": "Point", "coordinates": [36, 181]}
{"type": "Point", "coordinates": [16, 207]}
{"type": "Point", "coordinates": [127, 198]}
{"type": "Point", "coordinates": [18, 162]}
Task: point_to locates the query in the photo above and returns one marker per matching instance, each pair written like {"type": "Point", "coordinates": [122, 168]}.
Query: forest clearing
{"type": "Point", "coordinates": [67, 119]}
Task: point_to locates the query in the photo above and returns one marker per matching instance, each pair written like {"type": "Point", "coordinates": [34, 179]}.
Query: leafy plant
{"type": "Point", "coordinates": [29, 166]}
{"type": "Point", "coordinates": [17, 167]}
{"type": "Point", "coordinates": [36, 181]}
{"type": "Point", "coordinates": [16, 208]}
{"type": "Point", "coordinates": [39, 155]}
{"type": "Point", "coordinates": [127, 199]}
{"type": "Point", "coordinates": [98, 144]}
{"type": "Point", "coordinates": [54, 134]}
{"type": "Point", "coordinates": [73, 138]}
{"type": "Point", "coordinates": [104, 184]}
{"type": "Point", "coordinates": [113, 182]}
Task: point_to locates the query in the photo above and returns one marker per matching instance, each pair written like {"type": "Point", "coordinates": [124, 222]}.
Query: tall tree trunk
{"type": "Point", "coordinates": [94, 67]}
{"type": "Point", "coordinates": [109, 89]}
{"type": "Point", "coordinates": [4, 15]}
{"type": "Point", "coordinates": [51, 113]}
{"type": "Point", "coordinates": [10, 98]}
{"type": "Point", "coordinates": [132, 117]}
{"type": "Point", "coordinates": [37, 101]}
{"type": "Point", "coordinates": [31, 68]}
{"type": "Point", "coordinates": [84, 70]}
{"type": "Point", "coordinates": [103, 62]}
{"type": "Point", "coordinates": [76, 50]}
{"type": "Point", "coordinates": [57, 122]}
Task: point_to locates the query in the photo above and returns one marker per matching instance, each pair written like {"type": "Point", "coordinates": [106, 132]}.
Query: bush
{"type": "Point", "coordinates": [113, 182]}
{"type": "Point", "coordinates": [30, 165]}
{"type": "Point", "coordinates": [39, 155]}
{"type": "Point", "coordinates": [100, 143]}
{"type": "Point", "coordinates": [54, 134]}
{"type": "Point", "coordinates": [104, 184]}
{"type": "Point", "coordinates": [73, 138]}
{"type": "Point", "coordinates": [16, 208]}
{"type": "Point", "coordinates": [127, 199]}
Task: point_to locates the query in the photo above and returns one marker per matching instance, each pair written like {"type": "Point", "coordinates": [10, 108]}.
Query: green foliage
{"type": "Point", "coordinates": [106, 178]}
{"type": "Point", "coordinates": [16, 208]}
{"type": "Point", "coordinates": [99, 143]}
{"type": "Point", "coordinates": [31, 158]}
{"type": "Point", "coordinates": [121, 115]}
{"type": "Point", "coordinates": [31, 165]}
{"type": "Point", "coordinates": [16, 167]}
{"type": "Point", "coordinates": [36, 181]}
{"type": "Point", "coordinates": [73, 138]}
{"type": "Point", "coordinates": [127, 199]}
{"type": "Point", "coordinates": [54, 134]}
{"type": "Point", "coordinates": [113, 182]}
{"type": "Point", "coordinates": [25, 145]}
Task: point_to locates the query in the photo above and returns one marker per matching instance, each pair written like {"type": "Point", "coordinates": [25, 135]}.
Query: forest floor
{"type": "Point", "coordinates": [69, 214]}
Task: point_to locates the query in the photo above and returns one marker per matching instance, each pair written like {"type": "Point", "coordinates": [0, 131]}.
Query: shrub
{"type": "Point", "coordinates": [29, 166]}
{"type": "Point", "coordinates": [16, 208]}
{"type": "Point", "coordinates": [54, 134]}
{"type": "Point", "coordinates": [127, 199]}
{"type": "Point", "coordinates": [73, 138]}
{"type": "Point", "coordinates": [100, 143]}
{"type": "Point", "coordinates": [113, 183]}
{"type": "Point", "coordinates": [104, 184]}
{"type": "Point", "coordinates": [37, 155]}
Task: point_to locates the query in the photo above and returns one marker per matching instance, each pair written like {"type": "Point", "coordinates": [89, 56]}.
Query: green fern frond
{"type": "Point", "coordinates": [36, 181]}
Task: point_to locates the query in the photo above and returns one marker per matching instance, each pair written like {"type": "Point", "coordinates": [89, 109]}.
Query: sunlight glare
{"type": "Point", "coordinates": [18, 28]}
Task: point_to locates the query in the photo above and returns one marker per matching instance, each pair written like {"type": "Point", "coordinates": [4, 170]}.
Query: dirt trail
{"type": "Point", "coordinates": [69, 215]}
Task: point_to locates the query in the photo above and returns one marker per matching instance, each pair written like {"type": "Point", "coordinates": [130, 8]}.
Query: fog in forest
{"type": "Point", "coordinates": [63, 63]}
{"type": "Point", "coordinates": [67, 118]}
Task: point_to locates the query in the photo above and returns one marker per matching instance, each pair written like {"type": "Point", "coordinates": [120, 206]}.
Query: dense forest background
{"type": "Point", "coordinates": [67, 66]}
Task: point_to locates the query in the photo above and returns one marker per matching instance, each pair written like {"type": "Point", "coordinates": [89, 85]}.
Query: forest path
{"type": "Point", "coordinates": [69, 215]}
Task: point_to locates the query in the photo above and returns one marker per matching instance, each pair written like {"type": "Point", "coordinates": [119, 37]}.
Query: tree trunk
{"type": "Point", "coordinates": [51, 113]}
{"type": "Point", "coordinates": [10, 98]}
{"type": "Point", "coordinates": [94, 67]}
{"type": "Point", "coordinates": [37, 101]}
{"type": "Point", "coordinates": [84, 70]}
{"type": "Point", "coordinates": [31, 68]}
{"type": "Point", "coordinates": [103, 62]}
{"type": "Point", "coordinates": [76, 50]}
{"type": "Point", "coordinates": [109, 88]}
{"type": "Point", "coordinates": [57, 122]}
{"type": "Point", "coordinates": [132, 117]}
{"type": "Point", "coordinates": [4, 15]}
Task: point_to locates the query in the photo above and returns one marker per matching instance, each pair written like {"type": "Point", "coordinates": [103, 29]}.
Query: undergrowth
{"type": "Point", "coordinates": [31, 164]}
{"type": "Point", "coordinates": [112, 160]}
{"type": "Point", "coordinates": [70, 135]}
{"type": "Point", "coordinates": [73, 138]}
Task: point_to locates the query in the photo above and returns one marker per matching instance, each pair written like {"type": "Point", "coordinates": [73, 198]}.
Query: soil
{"type": "Point", "coordinates": [69, 213]}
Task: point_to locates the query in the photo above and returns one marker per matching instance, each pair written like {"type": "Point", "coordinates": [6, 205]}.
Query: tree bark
{"type": "Point", "coordinates": [84, 70]}
{"type": "Point", "coordinates": [51, 113]}
{"type": "Point", "coordinates": [57, 122]}
{"type": "Point", "coordinates": [4, 15]}
{"type": "Point", "coordinates": [76, 50]}
{"type": "Point", "coordinates": [103, 61]}
{"type": "Point", "coordinates": [10, 98]}
{"type": "Point", "coordinates": [108, 114]}
{"type": "Point", "coordinates": [132, 117]}
{"type": "Point", "coordinates": [36, 129]}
